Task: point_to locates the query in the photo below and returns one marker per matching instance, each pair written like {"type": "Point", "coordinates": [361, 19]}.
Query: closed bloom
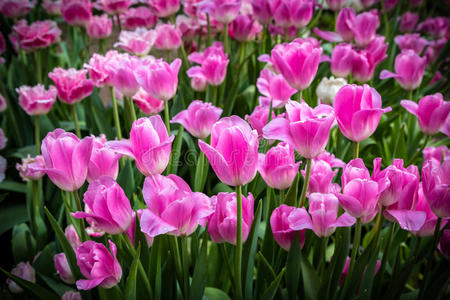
{"type": "Point", "coordinates": [172, 208]}
{"type": "Point", "coordinates": [344, 23]}
{"type": "Point", "coordinates": [408, 21]}
{"type": "Point", "coordinates": [103, 162]}
{"type": "Point", "coordinates": [358, 111]}
{"type": "Point", "coordinates": [3, 139]}
{"type": "Point", "coordinates": [198, 82]}
{"type": "Point", "coordinates": [437, 27]}
{"type": "Point", "coordinates": [23, 270]}
{"type": "Point", "coordinates": [298, 63]}
{"type": "Point", "coordinates": [354, 169]}
{"type": "Point", "coordinates": [32, 168]}
{"type": "Point", "coordinates": [37, 35]}
{"type": "Point", "coordinates": [335, 5]}
{"type": "Point", "coordinates": [164, 8]}
{"type": "Point", "coordinates": [328, 87]}
{"type": "Point", "coordinates": [138, 42]}
{"type": "Point", "coordinates": [409, 68]}
{"type": "Point", "coordinates": [131, 231]}
{"type": "Point", "coordinates": [244, 28]}
{"type": "Point", "coordinates": [444, 244]}
{"type": "Point", "coordinates": [114, 7]}
{"type": "Point", "coordinates": [233, 153]}
{"type": "Point", "coordinates": [263, 10]}
{"type": "Point", "coordinates": [71, 84]}
{"type": "Point", "coordinates": [306, 129]}
{"type": "Point", "coordinates": [99, 27]}
{"type": "Point", "coordinates": [3, 103]}
{"type": "Point", "coordinates": [135, 17]}
{"type": "Point", "coordinates": [159, 79]}
{"type": "Point", "coordinates": [296, 13]}
{"type": "Point", "coordinates": [411, 41]}
{"type": "Point", "coordinates": [36, 100]}
{"type": "Point", "coordinates": [149, 145]}
{"type": "Point", "coordinates": [323, 209]}
{"type": "Point", "coordinates": [66, 158]}
{"type": "Point", "coordinates": [377, 49]}
{"type": "Point", "coordinates": [198, 118]}
{"type": "Point", "coordinates": [431, 112]}
{"type": "Point", "coordinates": [283, 234]}
{"type": "Point", "coordinates": [98, 265]}
{"type": "Point", "coordinates": [277, 167]}
{"type": "Point", "coordinates": [429, 224]}
{"type": "Point", "coordinates": [436, 186]}
{"type": "Point", "coordinates": [222, 223]}
{"type": "Point", "coordinates": [99, 72]}
{"type": "Point", "coordinates": [363, 65]}
{"type": "Point", "coordinates": [342, 60]}
{"type": "Point", "coordinates": [364, 27]}
{"type": "Point", "coordinates": [72, 236]}
{"type": "Point", "coordinates": [16, 8]}
{"type": "Point", "coordinates": [223, 11]}
{"type": "Point", "coordinates": [321, 180]}
{"type": "Point", "coordinates": [71, 295]}
{"type": "Point", "coordinates": [259, 117]}
{"type": "Point", "coordinates": [147, 104]}
{"type": "Point", "coordinates": [76, 12]}
{"type": "Point", "coordinates": [213, 61]}
{"type": "Point", "coordinates": [274, 87]}
{"type": "Point", "coordinates": [168, 37]}
{"type": "Point", "coordinates": [63, 269]}
{"type": "Point", "coordinates": [107, 205]}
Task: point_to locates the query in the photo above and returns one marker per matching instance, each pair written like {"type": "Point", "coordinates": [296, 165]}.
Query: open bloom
{"type": "Point", "coordinates": [233, 153]}
{"type": "Point", "coordinates": [172, 208]}
{"type": "Point", "coordinates": [323, 209]}
{"type": "Point", "coordinates": [103, 162]}
{"type": "Point", "coordinates": [409, 68]}
{"type": "Point", "coordinates": [274, 87]}
{"type": "Point", "coordinates": [411, 41]}
{"type": "Point", "coordinates": [71, 84]}
{"type": "Point", "coordinates": [223, 11]}
{"type": "Point", "coordinates": [122, 69]}
{"type": "Point", "coordinates": [149, 105]}
{"type": "Point", "coordinates": [107, 205]}
{"type": "Point", "coordinates": [36, 100]}
{"type": "Point", "coordinates": [244, 28]}
{"type": "Point", "coordinates": [358, 111]}
{"type": "Point", "coordinates": [99, 27]}
{"type": "Point", "coordinates": [164, 8]}
{"type": "Point", "coordinates": [431, 112]}
{"type": "Point", "coordinates": [277, 167]}
{"type": "Point", "coordinates": [16, 8]}
{"type": "Point", "coordinates": [259, 117]}
{"type": "Point", "coordinates": [427, 229]}
{"type": "Point", "coordinates": [436, 186]}
{"type": "Point", "coordinates": [32, 168]}
{"type": "Point", "coordinates": [135, 17]}
{"type": "Point", "coordinates": [198, 118]}
{"type": "Point", "coordinates": [363, 65]}
{"type": "Point", "coordinates": [24, 271]}
{"type": "Point", "coordinates": [66, 158]}
{"type": "Point", "coordinates": [114, 7]}
{"type": "Point", "coordinates": [306, 129]}
{"type": "Point", "coordinates": [37, 35]}
{"type": "Point", "coordinates": [98, 265]}
{"type": "Point", "coordinates": [159, 79]}
{"type": "Point", "coordinates": [283, 234]}
{"type": "Point", "coordinates": [149, 145]}
{"type": "Point", "coordinates": [222, 223]}
{"type": "Point", "coordinates": [168, 37]}
{"type": "Point", "coordinates": [354, 169]}
{"type": "Point", "coordinates": [76, 12]}
{"type": "Point", "coordinates": [63, 268]}
{"type": "Point", "coordinates": [99, 71]}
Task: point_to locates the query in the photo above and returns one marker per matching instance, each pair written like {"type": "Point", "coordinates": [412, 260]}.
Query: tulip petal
{"type": "Point", "coordinates": [155, 160]}
{"type": "Point", "coordinates": [217, 162]}
{"type": "Point", "coordinates": [345, 220]}
{"type": "Point", "coordinates": [84, 284]}
{"type": "Point", "coordinates": [278, 129]}
{"type": "Point", "coordinates": [410, 106]}
{"type": "Point", "coordinates": [122, 147]}
{"type": "Point", "coordinates": [364, 123]}
{"type": "Point", "coordinates": [329, 36]}
{"type": "Point", "coordinates": [408, 220]}
{"type": "Point", "coordinates": [299, 219]}
{"type": "Point", "coordinates": [153, 225]}
{"type": "Point", "coordinates": [388, 74]}
{"type": "Point", "coordinates": [60, 179]}
{"type": "Point", "coordinates": [351, 205]}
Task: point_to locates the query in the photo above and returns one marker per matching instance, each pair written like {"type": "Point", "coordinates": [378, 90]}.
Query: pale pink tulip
{"type": "Point", "coordinates": [168, 37]}
{"type": "Point", "coordinates": [164, 8]}
{"type": "Point", "coordinates": [63, 269]}
{"type": "Point", "coordinates": [103, 162]}
{"type": "Point", "coordinates": [147, 104]}
{"type": "Point", "coordinates": [99, 27]}
{"type": "Point", "coordinates": [282, 232]}
{"type": "Point", "coordinates": [274, 87]}
{"type": "Point", "coordinates": [24, 271]}
{"type": "Point", "coordinates": [31, 168]}
{"type": "Point", "coordinates": [36, 100]}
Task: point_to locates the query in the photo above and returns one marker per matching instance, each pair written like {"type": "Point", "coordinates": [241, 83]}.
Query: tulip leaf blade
{"type": "Point", "coordinates": [311, 281]}
{"type": "Point", "coordinates": [200, 277]}
{"type": "Point", "coordinates": [130, 289]}
{"type": "Point", "coordinates": [271, 290]}
{"type": "Point", "coordinates": [293, 268]}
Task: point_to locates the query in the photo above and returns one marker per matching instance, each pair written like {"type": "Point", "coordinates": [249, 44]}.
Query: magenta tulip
{"type": "Point", "coordinates": [31, 168]}
{"type": "Point", "coordinates": [76, 12]}
{"type": "Point", "coordinates": [437, 153]}
{"type": "Point", "coordinates": [99, 27]}
{"type": "Point", "coordinates": [36, 100]}
{"type": "Point", "coordinates": [296, 13]}
{"type": "Point", "coordinates": [114, 7]}
{"type": "Point", "coordinates": [98, 265]}
{"type": "Point", "coordinates": [377, 49]}
{"type": "Point", "coordinates": [135, 17]}
{"type": "Point", "coordinates": [16, 8]}
{"type": "Point", "coordinates": [364, 27]}
{"type": "Point", "coordinates": [164, 8]}
{"type": "Point", "coordinates": [436, 186]}
{"type": "Point", "coordinates": [274, 87]}
{"type": "Point", "coordinates": [71, 84]}
{"type": "Point", "coordinates": [437, 27]}
{"type": "Point", "coordinates": [431, 111]}
{"type": "Point", "coordinates": [24, 271]}
{"type": "Point", "coordinates": [283, 234]}
{"type": "Point", "coordinates": [342, 60]}
{"type": "Point", "coordinates": [429, 225]}
{"type": "Point", "coordinates": [408, 22]}
{"type": "Point", "coordinates": [263, 10]}
{"type": "Point", "coordinates": [335, 5]}
{"type": "Point", "coordinates": [353, 170]}
{"type": "Point", "coordinates": [147, 104]}
{"type": "Point", "coordinates": [168, 37]}
{"type": "Point", "coordinates": [223, 11]}
{"type": "Point", "coordinates": [259, 117]}
{"type": "Point", "coordinates": [444, 244]}
{"type": "Point", "coordinates": [103, 162]}
{"type": "Point", "coordinates": [244, 28]}
{"type": "Point", "coordinates": [37, 35]}
{"type": "Point", "coordinates": [344, 23]}
{"type": "Point", "coordinates": [363, 66]}
{"type": "Point", "coordinates": [63, 269]}
{"type": "Point", "coordinates": [122, 71]}
{"type": "Point", "coordinates": [411, 41]}
{"type": "Point", "coordinates": [306, 129]}
{"type": "Point", "coordinates": [233, 153]}
{"type": "Point", "coordinates": [222, 223]}
{"type": "Point", "coordinates": [358, 111]}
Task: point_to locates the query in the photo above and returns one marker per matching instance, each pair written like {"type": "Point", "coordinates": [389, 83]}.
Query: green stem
{"type": "Point", "coordinates": [118, 23]}
{"type": "Point", "coordinates": [356, 243]}
{"type": "Point", "coordinates": [385, 255]}
{"type": "Point", "coordinates": [185, 264]}
{"type": "Point", "coordinates": [355, 149]}
{"type": "Point", "coordinates": [300, 95]}
{"type": "Point", "coordinates": [37, 134]}
{"type": "Point", "coordinates": [79, 208]}
{"type": "Point", "coordinates": [269, 117]}
{"type": "Point", "coordinates": [306, 183]}
{"type": "Point", "coordinates": [177, 260]}
{"type": "Point", "coordinates": [37, 58]}
{"type": "Point", "coordinates": [418, 153]}
{"type": "Point", "coordinates": [116, 114]}
{"type": "Point", "coordinates": [213, 95]}
{"type": "Point", "coordinates": [75, 120]}
{"type": "Point", "coordinates": [224, 255]}
{"type": "Point", "coordinates": [238, 254]}
{"type": "Point", "coordinates": [35, 206]}
{"type": "Point", "coordinates": [131, 108]}
{"type": "Point", "coordinates": [208, 38]}
{"type": "Point", "coordinates": [166, 116]}
{"type": "Point", "coordinates": [410, 95]}
{"type": "Point", "coordinates": [226, 40]}
{"type": "Point", "coordinates": [386, 21]}
{"type": "Point", "coordinates": [282, 196]}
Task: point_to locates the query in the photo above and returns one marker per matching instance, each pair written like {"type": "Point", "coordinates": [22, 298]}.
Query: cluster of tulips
{"type": "Point", "coordinates": [225, 149]}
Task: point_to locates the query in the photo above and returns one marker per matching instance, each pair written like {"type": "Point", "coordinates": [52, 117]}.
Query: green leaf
{"type": "Point", "coordinates": [130, 290]}
{"type": "Point", "coordinates": [11, 215]}
{"type": "Point", "coordinates": [23, 243]}
{"type": "Point", "coordinates": [291, 197]}
{"type": "Point", "coordinates": [126, 179]}
{"type": "Point", "coordinates": [57, 286]}
{"type": "Point", "coordinates": [200, 277]}
{"type": "Point", "coordinates": [293, 268]}
{"type": "Point", "coordinates": [176, 151]}
{"type": "Point", "coordinates": [311, 281]}
{"type": "Point", "coordinates": [37, 290]}
{"type": "Point", "coordinates": [212, 293]}
{"type": "Point", "coordinates": [13, 186]}
{"type": "Point", "coordinates": [271, 290]}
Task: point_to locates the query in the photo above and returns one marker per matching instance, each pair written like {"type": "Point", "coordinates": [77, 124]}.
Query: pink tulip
{"type": "Point", "coordinates": [72, 236]}
{"type": "Point", "coordinates": [335, 5]}
{"type": "Point", "coordinates": [444, 244]}
{"type": "Point", "coordinates": [437, 153]}
{"type": "Point", "coordinates": [274, 87]}
{"type": "Point", "coordinates": [410, 69]}
{"type": "Point", "coordinates": [103, 162]}
{"type": "Point", "coordinates": [344, 23]}
{"type": "Point", "coordinates": [233, 153]}
{"type": "Point", "coordinates": [342, 60]}
{"type": "Point", "coordinates": [408, 22]}
{"type": "Point", "coordinates": [164, 8]}
{"type": "Point", "coordinates": [364, 27]}
{"type": "Point", "coordinates": [321, 178]}
{"type": "Point", "coordinates": [37, 35]}
{"type": "Point", "coordinates": [323, 209]}
{"type": "Point", "coordinates": [431, 111]}
{"type": "Point", "coordinates": [429, 225]}
{"type": "Point", "coordinates": [347, 266]}
{"type": "Point", "coordinates": [52, 7]}
{"type": "Point", "coordinates": [31, 168]}
{"type": "Point", "coordinates": [159, 79]}
{"type": "Point", "coordinates": [330, 159]}
{"type": "Point", "coordinates": [98, 265]}
{"type": "Point", "coordinates": [16, 8]}
{"type": "Point", "coordinates": [433, 50]}
{"type": "Point", "coordinates": [66, 158]}
{"type": "Point", "coordinates": [149, 145]}
{"type": "Point", "coordinates": [107, 205]}
{"type": "Point", "coordinates": [222, 223]}
{"type": "Point", "coordinates": [298, 63]}
{"type": "Point", "coordinates": [147, 104]}
{"type": "Point", "coordinates": [198, 118]}
{"type": "Point", "coordinates": [435, 183]}
{"type": "Point", "coordinates": [296, 13]}
{"type": "Point", "coordinates": [135, 17]}
{"type": "Point", "coordinates": [411, 41]}
{"type": "Point", "coordinates": [3, 103]}
{"type": "Point", "coordinates": [363, 66]}
{"type": "Point", "coordinates": [71, 84]}
{"type": "Point", "coordinates": [99, 72]}
{"type": "Point", "coordinates": [36, 100]}
{"type": "Point", "coordinates": [305, 128]}
{"type": "Point", "coordinates": [168, 37]}
{"type": "Point", "coordinates": [172, 207]}
{"type": "Point", "coordinates": [122, 71]}
{"type": "Point", "coordinates": [131, 231]}
{"type": "Point", "coordinates": [282, 232]}
{"type": "Point", "coordinates": [114, 7]}
{"type": "Point", "coordinates": [377, 49]}
{"type": "Point", "coordinates": [213, 61]}
{"type": "Point", "coordinates": [244, 28]}
{"type": "Point", "coordinates": [99, 27]}
{"type": "Point", "coordinates": [71, 295]}
{"type": "Point", "coordinates": [437, 27]}
{"type": "Point", "coordinates": [3, 139]}
{"type": "Point", "coordinates": [277, 167]}
{"type": "Point", "coordinates": [358, 111]}
{"type": "Point", "coordinates": [198, 82]}
{"type": "Point", "coordinates": [223, 11]}
{"type": "Point", "coordinates": [24, 271]}
{"type": "Point", "coordinates": [353, 170]}
{"type": "Point", "coordinates": [416, 3]}
{"type": "Point", "coordinates": [63, 269]}
{"type": "Point", "coordinates": [263, 10]}
{"type": "Point", "coordinates": [259, 117]}
{"type": "Point", "coordinates": [291, 32]}
{"type": "Point", "coordinates": [76, 12]}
